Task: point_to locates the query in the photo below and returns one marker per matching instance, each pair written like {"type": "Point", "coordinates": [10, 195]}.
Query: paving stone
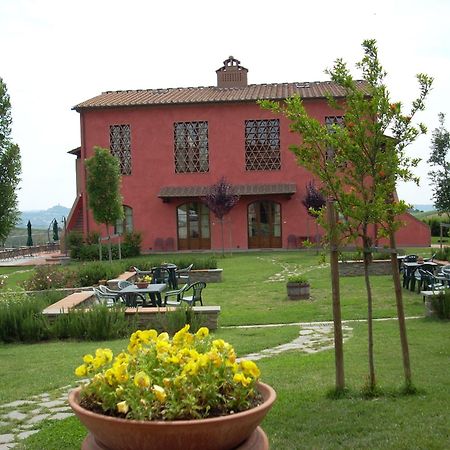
{"type": "Point", "coordinates": [38, 418]}
{"type": "Point", "coordinates": [15, 415]}
{"type": "Point", "coordinates": [61, 416]}
{"type": "Point", "coordinates": [26, 434]}
{"type": "Point", "coordinates": [61, 409]}
{"type": "Point", "coordinates": [2, 424]}
{"type": "Point", "coordinates": [26, 426]}
{"type": "Point", "coordinates": [17, 403]}
{"type": "Point", "coordinates": [35, 411]}
{"type": "Point", "coordinates": [6, 438]}
{"type": "Point", "coordinates": [52, 403]}
{"type": "Point", "coordinates": [305, 332]}
{"type": "Point", "coordinates": [8, 446]}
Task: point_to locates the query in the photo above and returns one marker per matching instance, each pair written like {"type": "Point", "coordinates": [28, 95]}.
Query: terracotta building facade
{"type": "Point", "coordinates": [174, 143]}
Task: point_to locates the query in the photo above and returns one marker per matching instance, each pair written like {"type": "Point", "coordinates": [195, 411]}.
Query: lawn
{"type": "Point", "coordinates": [253, 292]}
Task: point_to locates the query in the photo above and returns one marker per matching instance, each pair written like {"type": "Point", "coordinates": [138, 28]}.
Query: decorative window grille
{"type": "Point", "coordinates": [191, 147]}
{"type": "Point", "coordinates": [331, 122]}
{"type": "Point", "coordinates": [120, 144]}
{"type": "Point", "coordinates": [262, 145]}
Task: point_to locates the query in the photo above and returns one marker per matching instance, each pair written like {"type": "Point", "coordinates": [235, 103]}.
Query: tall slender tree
{"type": "Point", "coordinates": [361, 171]}
{"type": "Point", "coordinates": [103, 188]}
{"type": "Point", "coordinates": [220, 199]}
{"type": "Point", "coordinates": [10, 167]}
{"type": "Point", "coordinates": [440, 175]}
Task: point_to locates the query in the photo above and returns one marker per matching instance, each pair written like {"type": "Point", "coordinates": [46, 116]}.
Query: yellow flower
{"type": "Point", "coordinates": [142, 380]}
{"type": "Point", "coordinates": [202, 333]}
{"type": "Point", "coordinates": [88, 358]}
{"type": "Point", "coordinates": [250, 368]}
{"type": "Point", "coordinates": [122, 407]}
{"type": "Point", "coordinates": [159, 392]}
{"type": "Point", "coordinates": [120, 372]}
{"type": "Point", "coordinates": [241, 378]}
{"type": "Point", "coordinates": [81, 371]}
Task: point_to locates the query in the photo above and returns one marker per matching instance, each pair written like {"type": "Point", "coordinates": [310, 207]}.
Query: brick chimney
{"type": "Point", "coordinates": [232, 74]}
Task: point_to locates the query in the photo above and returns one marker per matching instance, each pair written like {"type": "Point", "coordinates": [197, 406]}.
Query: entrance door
{"type": "Point", "coordinates": [193, 226]}
{"type": "Point", "coordinates": [264, 225]}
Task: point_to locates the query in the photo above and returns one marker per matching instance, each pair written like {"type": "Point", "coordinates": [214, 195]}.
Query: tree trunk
{"type": "Point", "coordinates": [334, 262]}
{"type": "Point", "coordinates": [223, 238]}
{"type": "Point", "coordinates": [367, 260]}
{"type": "Point", "coordinates": [109, 244]}
{"type": "Point", "coordinates": [400, 310]}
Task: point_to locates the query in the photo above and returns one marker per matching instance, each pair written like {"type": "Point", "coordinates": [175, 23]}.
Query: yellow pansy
{"type": "Point", "coordinates": [88, 358]}
{"type": "Point", "coordinates": [202, 332]}
{"type": "Point", "coordinates": [123, 407]}
{"type": "Point", "coordinates": [159, 392]}
{"type": "Point", "coordinates": [241, 378]}
{"type": "Point", "coordinates": [250, 368]}
{"type": "Point", "coordinates": [142, 380]}
{"type": "Point", "coordinates": [81, 371]}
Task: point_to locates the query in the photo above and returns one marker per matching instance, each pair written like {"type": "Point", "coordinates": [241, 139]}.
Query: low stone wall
{"type": "Point", "coordinates": [207, 275]}
{"type": "Point", "coordinates": [356, 268]}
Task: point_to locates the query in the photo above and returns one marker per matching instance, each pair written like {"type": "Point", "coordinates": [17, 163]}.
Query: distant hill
{"type": "Point", "coordinates": [424, 208]}
{"type": "Point", "coordinates": [42, 218]}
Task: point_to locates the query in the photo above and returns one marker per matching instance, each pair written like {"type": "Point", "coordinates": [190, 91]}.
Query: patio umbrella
{"type": "Point", "coordinates": [55, 230]}
{"type": "Point", "coordinates": [29, 238]}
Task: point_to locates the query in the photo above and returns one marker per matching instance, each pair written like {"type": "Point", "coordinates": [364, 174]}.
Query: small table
{"type": "Point", "coordinates": [154, 291]}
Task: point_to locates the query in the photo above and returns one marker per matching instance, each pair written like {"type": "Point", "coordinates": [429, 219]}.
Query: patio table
{"type": "Point", "coordinates": [409, 280]}
{"type": "Point", "coordinates": [154, 291]}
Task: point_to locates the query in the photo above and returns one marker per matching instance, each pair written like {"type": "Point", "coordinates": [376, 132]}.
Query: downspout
{"type": "Point", "coordinates": [83, 176]}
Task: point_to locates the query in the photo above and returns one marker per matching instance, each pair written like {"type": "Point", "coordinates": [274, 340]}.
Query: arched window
{"type": "Point", "coordinates": [193, 226]}
{"type": "Point", "coordinates": [125, 225]}
{"type": "Point", "coordinates": [264, 224]}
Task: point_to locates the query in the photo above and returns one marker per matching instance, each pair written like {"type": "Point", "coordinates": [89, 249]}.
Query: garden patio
{"type": "Point", "coordinates": [256, 316]}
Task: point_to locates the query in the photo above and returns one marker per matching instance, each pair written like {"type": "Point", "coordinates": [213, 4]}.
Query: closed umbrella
{"type": "Point", "coordinates": [55, 230]}
{"type": "Point", "coordinates": [30, 237]}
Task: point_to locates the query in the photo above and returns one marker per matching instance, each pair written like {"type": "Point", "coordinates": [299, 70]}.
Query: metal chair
{"type": "Point", "coordinates": [105, 299]}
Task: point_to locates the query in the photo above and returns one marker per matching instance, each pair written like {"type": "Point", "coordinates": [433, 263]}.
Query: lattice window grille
{"type": "Point", "coordinates": [120, 144]}
{"type": "Point", "coordinates": [262, 145]}
{"type": "Point", "coordinates": [191, 147]}
{"type": "Point", "coordinates": [330, 123]}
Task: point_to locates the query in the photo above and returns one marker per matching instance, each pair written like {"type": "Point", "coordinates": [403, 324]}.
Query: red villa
{"type": "Point", "coordinates": [173, 143]}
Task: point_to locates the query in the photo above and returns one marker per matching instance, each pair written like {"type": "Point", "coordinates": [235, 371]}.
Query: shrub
{"type": "Point", "coordinates": [74, 244]}
{"type": "Point", "coordinates": [21, 318]}
{"type": "Point", "coordinates": [91, 272]}
{"type": "Point", "coordinates": [441, 305]}
{"type": "Point", "coordinates": [301, 279]}
{"type": "Point", "coordinates": [131, 246]}
{"type": "Point", "coordinates": [48, 277]}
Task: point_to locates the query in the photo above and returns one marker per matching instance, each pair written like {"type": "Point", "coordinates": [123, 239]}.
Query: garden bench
{"type": "Point", "coordinates": [71, 301]}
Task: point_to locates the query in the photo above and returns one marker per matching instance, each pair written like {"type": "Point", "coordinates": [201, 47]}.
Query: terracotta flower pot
{"type": "Point", "coordinates": [238, 431]}
{"type": "Point", "coordinates": [141, 284]}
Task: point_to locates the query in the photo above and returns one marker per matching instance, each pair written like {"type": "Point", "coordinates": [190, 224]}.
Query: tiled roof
{"type": "Point", "coordinates": [240, 189]}
{"type": "Point", "coordinates": [213, 94]}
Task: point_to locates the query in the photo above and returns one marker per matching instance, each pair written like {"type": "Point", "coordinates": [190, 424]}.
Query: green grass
{"type": "Point", "coordinates": [304, 416]}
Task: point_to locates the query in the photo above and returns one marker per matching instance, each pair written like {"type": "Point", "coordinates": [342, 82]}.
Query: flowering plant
{"type": "Point", "coordinates": [190, 376]}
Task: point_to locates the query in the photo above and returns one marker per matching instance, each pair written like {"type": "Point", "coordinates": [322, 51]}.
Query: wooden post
{"type": "Point", "coordinates": [334, 262]}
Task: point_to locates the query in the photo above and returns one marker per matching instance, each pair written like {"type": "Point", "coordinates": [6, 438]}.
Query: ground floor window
{"type": "Point", "coordinates": [125, 225]}
{"type": "Point", "coordinates": [264, 224]}
{"type": "Point", "coordinates": [193, 226]}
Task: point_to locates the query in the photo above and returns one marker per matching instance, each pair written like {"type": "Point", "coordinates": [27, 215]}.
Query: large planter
{"type": "Point", "coordinates": [298, 291]}
{"type": "Point", "coordinates": [233, 432]}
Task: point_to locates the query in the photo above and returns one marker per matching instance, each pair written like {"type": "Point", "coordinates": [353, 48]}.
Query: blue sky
{"type": "Point", "coordinates": [56, 54]}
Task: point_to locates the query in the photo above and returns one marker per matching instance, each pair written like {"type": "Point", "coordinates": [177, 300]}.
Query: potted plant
{"type": "Point", "coordinates": [144, 281]}
{"type": "Point", "coordinates": [188, 392]}
{"type": "Point", "coordinates": [298, 287]}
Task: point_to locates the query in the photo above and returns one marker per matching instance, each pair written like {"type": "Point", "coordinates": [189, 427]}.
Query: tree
{"type": "Point", "coordinates": [440, 176]}
{"type": "Point", "coordinates": [10, 168]}
{"type": "Point", "coordinates": [359, 165]}
{"type": "Point", "coordinates": [314, 201]}
{"type": "Point", "coordinates": [220, 199]}
{"type": "Point", "coordinates": [103, 188]}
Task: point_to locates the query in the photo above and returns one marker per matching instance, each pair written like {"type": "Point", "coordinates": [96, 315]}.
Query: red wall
{"type": "Point", "coordinates": [153, 167]}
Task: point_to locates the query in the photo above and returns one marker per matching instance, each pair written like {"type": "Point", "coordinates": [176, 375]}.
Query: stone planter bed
{"type": "Point", "coordinates": [356, 268]}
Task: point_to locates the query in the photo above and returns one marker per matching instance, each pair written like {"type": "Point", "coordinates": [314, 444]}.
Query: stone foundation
{"type": "Point", "coordinates": [356, 268]}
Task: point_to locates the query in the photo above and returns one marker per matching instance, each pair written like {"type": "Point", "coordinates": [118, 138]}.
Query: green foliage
{"type": "Point", "coordinates": [10, 168]}
{"type": "Point", "coordinates": [301, 279]}
{"type": "Point", "coordinates": [103, 185]}
{"type": "Point", "coordinates": [441, 305]}
{"type": "Point", "coordinates": [435, 227]}
{"type": "Point", "coordinates": [440, 176]}
{"type": "Point", "coordinates": [21, 319]}
{"type": "Point", "coordinates": [444, 254]}
{"type": "Point", "coordinates": [172, 321]}
{"type": "Point", "coordinates": [49, 277]}
{"type": "Point", "coordinates": [131, 246]}
{"type": "Point", "coordinates": [98, 323]}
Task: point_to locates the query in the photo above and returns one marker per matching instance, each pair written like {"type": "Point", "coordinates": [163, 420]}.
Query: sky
{"type": "Point", "coordinates": [58, 53]}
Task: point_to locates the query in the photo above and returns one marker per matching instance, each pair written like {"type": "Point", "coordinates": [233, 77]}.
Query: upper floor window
{"type": "Point", "coordinates": [125, 225]}
{"type": "Point", "coordinates": [330, 123]}
{"type": "Point", "coordinates": [120, 145]}
{"type": "Point", "coordinates": [262, 145]}
{"type": "Point", "coordinates": [191, 147]}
